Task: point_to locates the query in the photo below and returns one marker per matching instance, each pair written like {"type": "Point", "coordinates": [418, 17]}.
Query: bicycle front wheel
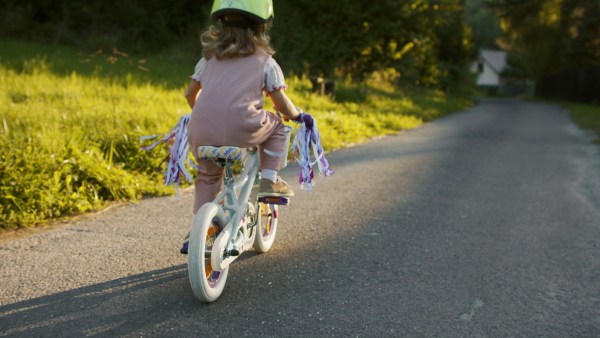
{"type": "Point", "coordinates": [266, 226]}
{"type": "Point", "coordinates": [207, 284]}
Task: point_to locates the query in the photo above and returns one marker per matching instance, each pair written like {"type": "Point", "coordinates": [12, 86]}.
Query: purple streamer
{"type": "Point", "coordinates": [305, 138]}
{"type": "Point", "coordinates": [177, 145]}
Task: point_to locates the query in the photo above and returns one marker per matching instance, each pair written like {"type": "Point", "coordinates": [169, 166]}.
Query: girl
{"type": "Point", "coordinates": [226, 96]}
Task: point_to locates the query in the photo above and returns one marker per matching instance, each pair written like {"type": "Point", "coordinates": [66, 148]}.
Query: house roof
{"type": "Point", "coordinates": [495, 59]}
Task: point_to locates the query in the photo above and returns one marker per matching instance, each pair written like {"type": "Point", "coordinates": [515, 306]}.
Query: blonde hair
{"type": "Point", "coordinates": [225, 42]}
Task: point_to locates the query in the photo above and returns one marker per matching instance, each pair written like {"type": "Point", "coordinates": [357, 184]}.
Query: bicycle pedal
{"type": "Point", "coordinates": [274, 200]}
{"type": "Point", "coordinates": [234, 253]}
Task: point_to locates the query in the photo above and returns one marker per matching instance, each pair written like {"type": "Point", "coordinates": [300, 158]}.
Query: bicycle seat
{"type": "Point", "coordinates": [225, 153]}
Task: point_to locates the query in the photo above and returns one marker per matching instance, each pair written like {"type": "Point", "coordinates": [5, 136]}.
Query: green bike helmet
{"type": "Point", "coordinates": [258, 11]}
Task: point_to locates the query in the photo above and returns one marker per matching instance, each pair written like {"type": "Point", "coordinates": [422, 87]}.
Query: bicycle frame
{"type": "Point", "coordinates": [238, 234]}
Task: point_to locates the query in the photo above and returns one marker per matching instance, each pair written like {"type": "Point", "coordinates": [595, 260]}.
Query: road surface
{"type": "Point", "coordinates": [485, 223]}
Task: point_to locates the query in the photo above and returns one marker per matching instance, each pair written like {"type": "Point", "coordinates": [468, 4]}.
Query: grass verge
{"type": "Point", "coordinates": [71, 123]}
{"type": "Point", "coordinates": [586, 116]}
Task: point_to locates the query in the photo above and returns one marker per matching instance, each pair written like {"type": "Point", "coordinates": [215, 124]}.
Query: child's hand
{"type": "Point", "coordinates": [305, 118]}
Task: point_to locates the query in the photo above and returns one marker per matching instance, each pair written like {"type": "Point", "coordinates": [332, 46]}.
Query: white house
{"type": "Point", "coordinates": [490, 65]}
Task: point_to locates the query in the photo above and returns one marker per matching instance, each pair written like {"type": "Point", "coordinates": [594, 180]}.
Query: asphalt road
{"type": "Point", "coordinates": [485, 223]}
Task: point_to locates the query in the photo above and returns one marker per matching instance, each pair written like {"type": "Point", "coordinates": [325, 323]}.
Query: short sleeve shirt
{"type": "Point", "coordinates": [274, 79]}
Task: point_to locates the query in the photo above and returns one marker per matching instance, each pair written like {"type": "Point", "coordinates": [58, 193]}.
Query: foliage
{"type": "Point", "coordinates": [426, 41]}
{"type": "Point", "coordinates": [69, 141]}
{"type": "Point", "coordinates": [69, 135]}
{"type": "Point", "coordinates": [547, 36]}
{"type": "Point", "coordinates": [484, 24]}
{"type": "Point", "coordinates": [139, 25]}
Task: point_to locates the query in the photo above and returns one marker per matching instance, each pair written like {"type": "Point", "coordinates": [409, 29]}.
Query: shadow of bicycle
{"type": "Point", "coordinates": [146, 302]}
{"type": "Point", "coordinates": [118, 306]}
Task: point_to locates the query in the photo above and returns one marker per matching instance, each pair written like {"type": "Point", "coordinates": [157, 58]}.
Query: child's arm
{"type": "Point", "coordinates": [191, 93]}
{"type": "Point", "coordinates": [284, 105]}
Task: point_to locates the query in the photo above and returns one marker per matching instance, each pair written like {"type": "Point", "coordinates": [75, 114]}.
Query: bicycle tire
{"type": "Point", "coordinates": [266, 226]}
{"type": "Point", "coordinates": [206, 283]}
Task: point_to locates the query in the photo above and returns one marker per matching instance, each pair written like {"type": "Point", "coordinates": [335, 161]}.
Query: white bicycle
{"type": "Point", "coordinates": [221, 232]}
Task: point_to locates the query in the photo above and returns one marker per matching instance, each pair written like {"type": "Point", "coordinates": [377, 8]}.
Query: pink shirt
{"type": "Point", "coordinates": [229, 109]}
{"type": "Point", "coordinates": [274, 79]}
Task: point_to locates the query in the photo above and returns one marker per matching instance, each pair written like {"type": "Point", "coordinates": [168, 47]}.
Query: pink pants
{"type": "Point", "coordinates": [210, 178]}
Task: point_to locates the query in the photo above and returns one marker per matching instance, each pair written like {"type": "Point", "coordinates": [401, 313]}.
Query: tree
{"type": "Point", "coordinates": [484, 23]}
{"type": "Point", "coordinates": [546, 36]}
{"type": "Point", "coordinates": [426, 41]}
{"type": "Point", "coordinates": [581, 26]}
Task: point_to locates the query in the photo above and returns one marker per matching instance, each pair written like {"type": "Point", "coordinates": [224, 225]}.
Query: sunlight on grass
{"type": "Point", "coordinates": [70, 129]}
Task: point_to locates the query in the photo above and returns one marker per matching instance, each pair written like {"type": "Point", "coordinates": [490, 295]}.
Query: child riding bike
{"type": "Point", "coordinates": [226, 97]}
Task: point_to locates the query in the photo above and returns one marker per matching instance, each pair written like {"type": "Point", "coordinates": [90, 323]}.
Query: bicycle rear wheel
{"type": "Point", "coordinates": [207, 284]}
{"type": "Point", "coordinates": [266, 226]}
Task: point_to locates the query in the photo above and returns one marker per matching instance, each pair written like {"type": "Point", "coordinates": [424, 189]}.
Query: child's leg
{"type": "Point", "coordinates": [271, 184]}
{"type": "Point", "coordinates": [208, 183]}
{"type": "Point", "coordinates": [273, 144]}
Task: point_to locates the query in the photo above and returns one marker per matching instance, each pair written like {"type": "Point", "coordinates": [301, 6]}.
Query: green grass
{"type": "Point", "coordinates": [586, 116]}
{"type": "Point", "coordinates": [71, 123]}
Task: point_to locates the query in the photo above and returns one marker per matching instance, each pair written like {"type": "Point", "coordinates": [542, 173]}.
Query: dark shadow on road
{"type": "Point", "coordinates": [75, 312]}
{"type": "Point", "coordinates": [115, 307]}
